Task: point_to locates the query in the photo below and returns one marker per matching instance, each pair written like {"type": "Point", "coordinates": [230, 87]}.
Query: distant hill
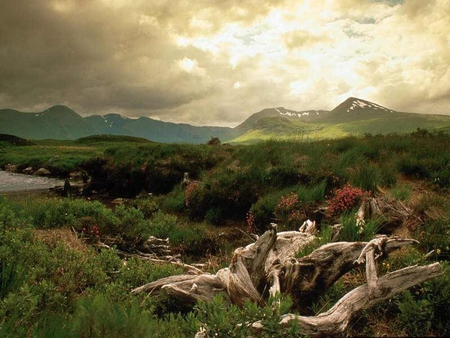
{"type": "Point", "coordinates": [291, 115]}
{"type": "Point", "coordinates": [14, 140]}
{"type": "Point", "coordinates": [61, 122]}
{"type": "Point", "coordinates": [58, 122]}
{"type": "Point", "coordinates": [107, 138]}
{"type": "Point", "coordinates": [354, 116]}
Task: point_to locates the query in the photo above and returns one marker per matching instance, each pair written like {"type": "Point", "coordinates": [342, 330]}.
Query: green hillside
{"type": "Point", "coordinates": [11, 140]}
{"type": "Point", "coordinates": [337, 127]}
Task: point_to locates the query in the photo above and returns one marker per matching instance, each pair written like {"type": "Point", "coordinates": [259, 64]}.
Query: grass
{"type": "Point", "coordinates": [50, 276]}
{"type": "Point", "coordinates": [402, 192]}
{"type": "Point", "coordinates": [339, 127]}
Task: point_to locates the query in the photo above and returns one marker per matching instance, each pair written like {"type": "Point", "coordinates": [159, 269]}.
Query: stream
{"type": "Point", "coordinates": [13, 182]}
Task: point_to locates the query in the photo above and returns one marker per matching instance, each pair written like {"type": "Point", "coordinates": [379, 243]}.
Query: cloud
{"type": "Point", "coordinates": [205, 62]}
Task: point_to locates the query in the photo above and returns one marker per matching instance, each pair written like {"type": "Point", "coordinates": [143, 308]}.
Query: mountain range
{"type": "Point", "coordinates": [351, 117]}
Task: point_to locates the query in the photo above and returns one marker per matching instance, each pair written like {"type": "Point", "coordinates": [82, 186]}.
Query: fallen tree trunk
{"type": "Point", "coordinates": [336, 320]}
{"type": "Point", "coordinates": [270, 266]}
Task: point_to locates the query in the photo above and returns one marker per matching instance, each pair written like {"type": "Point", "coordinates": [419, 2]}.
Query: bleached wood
{"type": "Point", "coordinates": [336, 320]}
{"type": "Point", "coordinates": [270, 266]}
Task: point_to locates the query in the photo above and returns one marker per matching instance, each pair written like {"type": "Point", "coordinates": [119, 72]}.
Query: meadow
{"type": "Point", "coordinates": [64, 261]}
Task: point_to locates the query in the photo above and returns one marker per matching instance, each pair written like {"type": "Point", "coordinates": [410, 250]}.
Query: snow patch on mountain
{"type": "Point", "coordinates": [357, 103]}
{"type": "Point", "coordinates": [291, 113]}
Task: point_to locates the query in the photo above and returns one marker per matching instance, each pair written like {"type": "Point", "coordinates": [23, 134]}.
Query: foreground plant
{"type": "Point", "coordinates": [268, 267]}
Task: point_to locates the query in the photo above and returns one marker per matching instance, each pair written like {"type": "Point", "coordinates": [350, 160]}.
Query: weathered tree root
{"type": "Point", "coordinates": [269, 266]}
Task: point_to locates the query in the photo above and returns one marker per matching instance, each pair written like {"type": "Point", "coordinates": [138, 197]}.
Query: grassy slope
{"type": "Point", "coordinates": [330, 128]}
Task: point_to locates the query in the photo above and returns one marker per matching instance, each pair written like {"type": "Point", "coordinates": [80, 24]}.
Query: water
{"type": "Point", "coordinates": [12, 182]}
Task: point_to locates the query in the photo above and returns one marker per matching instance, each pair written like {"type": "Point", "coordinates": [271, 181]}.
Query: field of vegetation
{"type": "Point", "coordinates": [67, 265]}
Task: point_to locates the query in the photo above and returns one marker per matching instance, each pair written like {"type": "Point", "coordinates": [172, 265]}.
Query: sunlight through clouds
{"type": "Point", "coordinates": [192, 58]}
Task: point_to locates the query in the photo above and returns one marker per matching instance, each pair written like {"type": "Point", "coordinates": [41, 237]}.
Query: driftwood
{"type": "Point", "coordinates": [269, 266]}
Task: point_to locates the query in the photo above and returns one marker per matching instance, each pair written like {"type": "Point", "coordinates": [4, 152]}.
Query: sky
{"type": "Point", "coordinates": [211, 62]}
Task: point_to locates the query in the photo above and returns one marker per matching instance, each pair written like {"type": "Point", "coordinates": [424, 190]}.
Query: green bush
{"type": "Point", "coordinates": [174, 201]}
{"type": "Point", "coordinates": [413, 168]}
{"type": "Point", "coordinates": [162, 225]}
{"type": "Point", "coordinates": [221, 320]}
{"type": "Point", "coordinates": [435, 235]}
{"type": "Point", "coordinates": [132, 225]}
{"type": "Point", "coordinates": [282, 177]}
{"type": "Point", "coordinates": [422, 310]}
{"type": "Point", "coordinates": [193, 239]}
{"type": "Point", "coordinates": [262, 213]}
{"type": "Point", "coordinates": [147, 205]}
{"type": "Point", "coordinates": [215, 215]}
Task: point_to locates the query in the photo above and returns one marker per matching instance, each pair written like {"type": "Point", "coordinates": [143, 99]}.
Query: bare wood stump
{"type": "Point", "coordinates": [270, 266]}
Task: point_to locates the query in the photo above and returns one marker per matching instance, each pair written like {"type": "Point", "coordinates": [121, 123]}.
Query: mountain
{"type": "Point", "coordinates": [357, 109]}
{"type": "Point", "coordinates": [58, 122]}
{"type": "Point", "coordinates": [61, 122]}
{"type": "Point", "coordinates": [355, 105]}
{"type": "Point", "coordinates": [354, 116]}
{"type": "Point", "coordinates": [292, 115]}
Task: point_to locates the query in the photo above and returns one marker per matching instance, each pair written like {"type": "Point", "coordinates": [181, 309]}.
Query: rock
{"type": "Point", "coordinates": [79, 176]}
{"type": "Point", "coordinates": [67, 188]}
{"type": "Point", "coordinates": [11, 168]}
{"type": "Point", "coordinates": [27, 171]}
{"type": "Point", "coordinates": [42, 172]}
{"type": "Point", "coordinates": [214, 141]}
{"type": "Point", "coordinates": [119, 201]}
{"type": "Point", "coordinates": [186, 180]}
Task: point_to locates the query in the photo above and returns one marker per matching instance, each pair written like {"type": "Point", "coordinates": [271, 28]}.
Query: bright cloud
{"type": "Point", "coordinates": [187, 61]}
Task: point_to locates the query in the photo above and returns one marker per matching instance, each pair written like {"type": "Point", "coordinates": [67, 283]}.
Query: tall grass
{"type": "Point", "coordinates": [351, 231]}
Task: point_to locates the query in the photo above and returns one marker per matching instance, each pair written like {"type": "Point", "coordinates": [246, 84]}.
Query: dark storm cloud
{"type": "Point", "coordinates": [216, 62]}
{"type": "Point", "coordinates": [88, 55]}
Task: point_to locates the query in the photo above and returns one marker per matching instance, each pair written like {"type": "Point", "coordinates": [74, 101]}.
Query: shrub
{"type": "Point", "coordinates": [442, 178]}
{"type": "Point", "coordinates": [221, 320]}
{"type": "Point", "coordinates": [193, 239]}
{"type": "Point", "coordinates": [174, 201]}
{"type": "Point", "coordinates": [162, 224]}
{"type": "Point", "coordinates": [147, 205]}
{"type": "Point", "coordinates": [414, 316]}
{"type": "Point", "coordinates": [388, 177]}
{"type": "Point", "coordinates": [435, 235]}
{"type": "Point", "coordinates": [344, 199]}
{"type": "Point", "coordinates": [262, 213]}
{"type": "Point", "coordinates": [214, 215]}
{"type": "Point", "coordinates": [132, 225]}
{"type": "Point", "coordinates": [413, 168]}
{"type": "Point", "coordinates": [98, 316]}
{"type": "Point", "coordinates": [284, 177]}
{"type": "Point", "coordinates": [289, 210]}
